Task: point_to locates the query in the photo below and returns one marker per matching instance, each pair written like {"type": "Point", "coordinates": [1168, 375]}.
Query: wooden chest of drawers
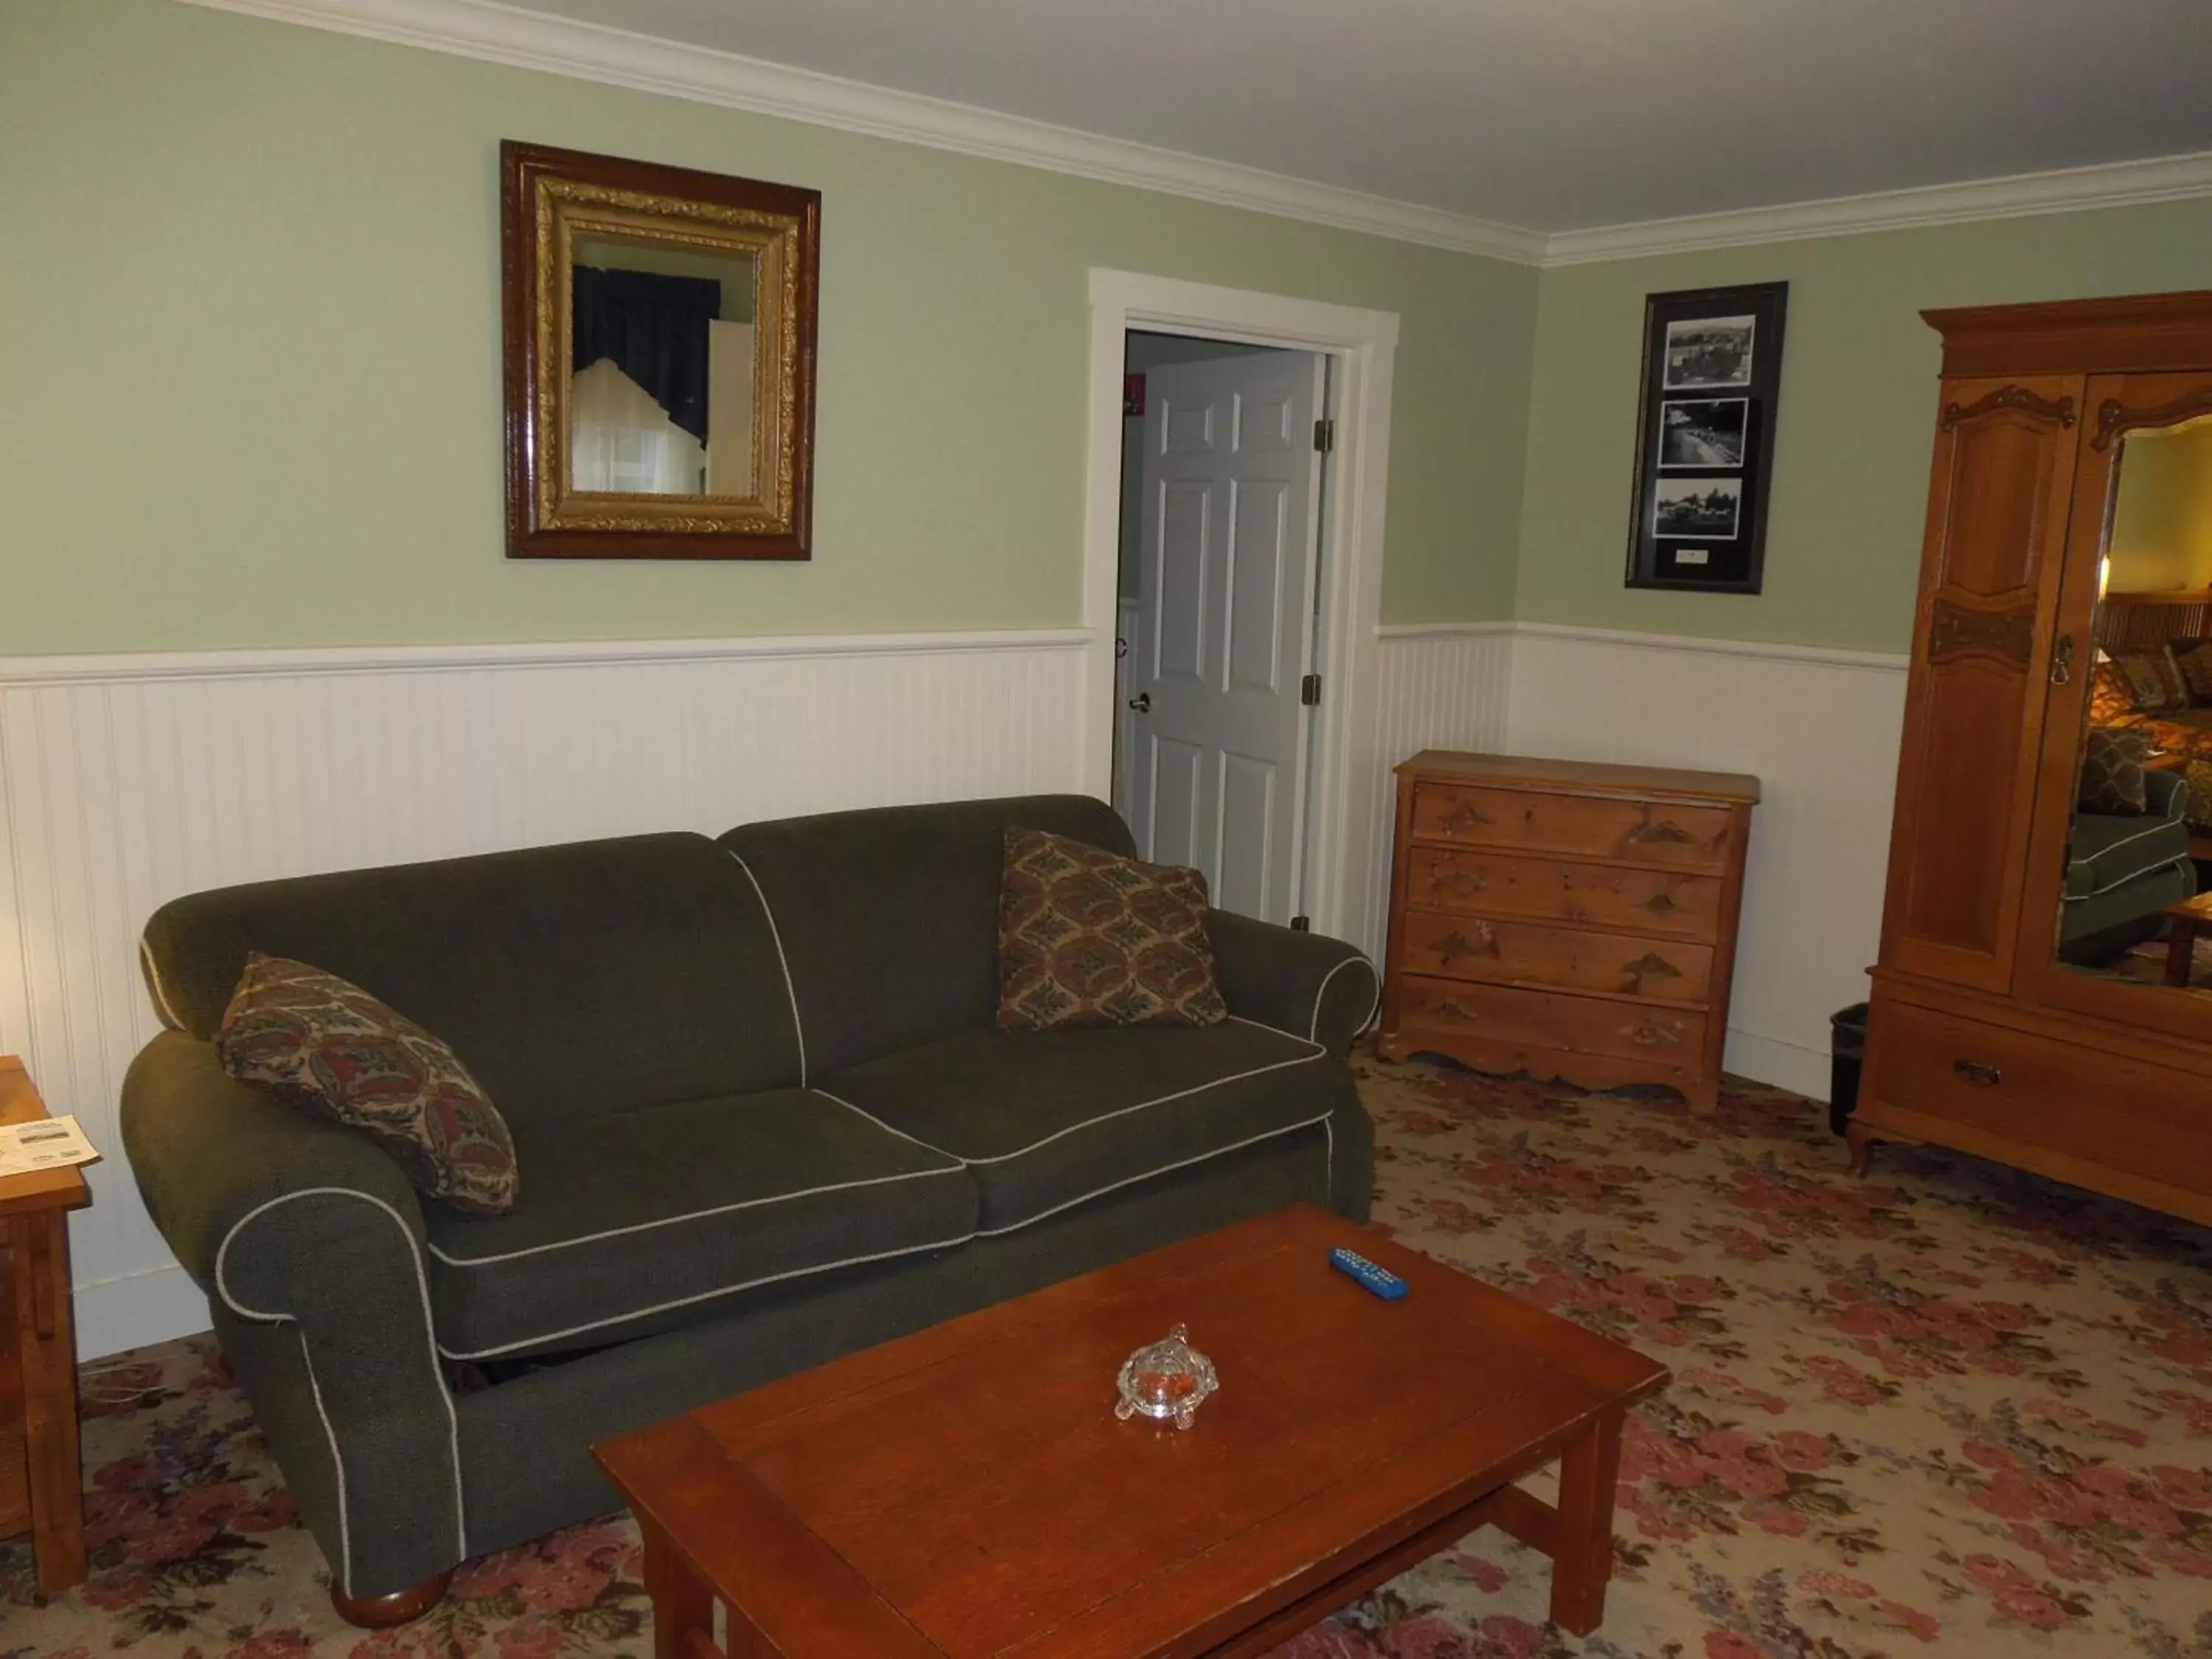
{"type": "Point", "coordinates": [1566, 919]}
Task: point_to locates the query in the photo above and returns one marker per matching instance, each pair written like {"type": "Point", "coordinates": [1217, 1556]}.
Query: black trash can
{"type": "Point", "coordinates": [1847, 1052]}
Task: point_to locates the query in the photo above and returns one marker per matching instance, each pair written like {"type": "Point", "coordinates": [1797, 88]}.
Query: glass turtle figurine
{"type": "Point", "coordinates": [1167, 1380]}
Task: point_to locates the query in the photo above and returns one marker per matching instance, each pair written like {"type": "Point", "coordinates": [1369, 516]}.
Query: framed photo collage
{"type": "Point", "coordinates": [1712, 366]}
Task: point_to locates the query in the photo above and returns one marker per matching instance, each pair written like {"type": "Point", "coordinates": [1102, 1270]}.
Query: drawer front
{"type": "Point", "coordinates": [1641, 832]}
{"type": "Point", "coordinates": [1504, 885]}
{"type": "Point", "coordinates": [1547, 1019]}
{"type": "Point", "coordinates": [1531, 953]}
{"type": "Point", "coordinates": [2124, 1114]}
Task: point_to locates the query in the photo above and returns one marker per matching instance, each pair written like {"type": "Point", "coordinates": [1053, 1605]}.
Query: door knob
{"type": "Point", "coordinates": [1142, 702]}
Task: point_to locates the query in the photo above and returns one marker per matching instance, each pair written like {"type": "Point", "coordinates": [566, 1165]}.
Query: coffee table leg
{"type": "Point", "coordinates": [1584, 1561]}
{"type": "Point", "coordinates": [2180, 951]}
{"type": "Point", "coordinates": [683, 1606]}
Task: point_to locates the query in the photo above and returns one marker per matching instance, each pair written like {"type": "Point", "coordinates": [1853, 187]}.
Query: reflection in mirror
{"type": "Point", "coordinates": [662, 363]}
{"type": "Point", "coordinates": [2138, 871]}
{"type": "Point", "coordinates": [660, 330]}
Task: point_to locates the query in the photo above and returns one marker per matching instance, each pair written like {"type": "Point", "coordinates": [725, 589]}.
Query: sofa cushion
{"type": "Point", "coordinates": [591, 977]}
{"type": "Point", "coordinates": [889, 918]}
{"type": "Point", "coordinates": [1087, 936]}
{"type": "Point", "coordinates": [631, 1222]}
{"type": "Point", "coordinates": [324, 1046]}
{"type": "Point", "coordinates": [1045, 1119]}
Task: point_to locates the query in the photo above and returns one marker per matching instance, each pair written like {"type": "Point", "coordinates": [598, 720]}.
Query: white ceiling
{"type": "Point", "coordinates": [1552, 115]}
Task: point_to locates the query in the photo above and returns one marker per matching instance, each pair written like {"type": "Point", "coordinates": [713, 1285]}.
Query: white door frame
{"type": "Point", "coordinates": [1363, 346]}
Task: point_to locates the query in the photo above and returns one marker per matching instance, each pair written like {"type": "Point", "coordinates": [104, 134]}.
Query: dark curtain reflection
{"type": "Point", "coordinates": [655, 329]}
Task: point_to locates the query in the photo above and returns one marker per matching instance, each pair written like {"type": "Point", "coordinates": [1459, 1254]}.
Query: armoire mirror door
{"type": "Point", "coordinates": [2119, 842]}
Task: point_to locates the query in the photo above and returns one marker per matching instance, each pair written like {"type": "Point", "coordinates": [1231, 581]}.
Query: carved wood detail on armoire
{"type": "Point", "coordinates": [2022, 1010]}
{"type": "Point", "coordinates": [1569, 919]}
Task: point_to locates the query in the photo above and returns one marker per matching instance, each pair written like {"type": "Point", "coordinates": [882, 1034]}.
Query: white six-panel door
{"type": "Point", "coordinates": [1217, 774]}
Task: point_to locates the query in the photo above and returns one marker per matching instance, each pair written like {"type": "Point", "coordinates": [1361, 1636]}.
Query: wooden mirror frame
{"type": "Point", "coordinates": [546, 197]}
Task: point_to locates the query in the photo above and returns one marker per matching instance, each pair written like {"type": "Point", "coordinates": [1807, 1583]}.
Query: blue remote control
{"type": "Point", "coordinates": [1383, 1283]}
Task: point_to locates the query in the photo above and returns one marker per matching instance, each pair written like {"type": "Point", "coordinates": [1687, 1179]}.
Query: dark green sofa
{"type": "Point", "coordinates": [2121, 872]}
{"type": "Point", "coordinates": [763, 1118]}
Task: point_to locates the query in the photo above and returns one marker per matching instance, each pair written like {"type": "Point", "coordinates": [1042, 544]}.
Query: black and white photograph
{"type": "Point", "coordinates": [1703, 431]}
{"type": "Point", "coordinates": [1705, 437]}
{"type": "Point", "coordinates": [1709, 351]}
{"type": "Point", "coordinates": [1697, 506]}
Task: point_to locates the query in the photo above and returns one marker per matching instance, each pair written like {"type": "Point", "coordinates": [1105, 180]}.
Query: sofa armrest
{"type": "Point", "coordinates": [2167, 794]}
{"type": "Point", "coordinates": [286, 1221]}
{"type": "Point", "coordinates": [1316, 988]}
{"type": "Point", "coordinates": [219, 1163]}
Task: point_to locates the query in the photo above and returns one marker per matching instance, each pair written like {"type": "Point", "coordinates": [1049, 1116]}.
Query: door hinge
{"type": "Point", "coordinates": [1301, 924]}
{"type": "Point", "coordinates": [1310, 691]}
{"type": "Point", "coordinates": [1324, 435]}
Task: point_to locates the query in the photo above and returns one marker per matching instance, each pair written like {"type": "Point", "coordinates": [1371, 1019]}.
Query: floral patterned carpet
{"type": "Point", "coordinates": [1949, 1408]}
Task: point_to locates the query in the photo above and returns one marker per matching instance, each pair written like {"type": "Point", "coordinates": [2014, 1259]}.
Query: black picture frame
{"type": "Point", "coordinates": [1704, 437]}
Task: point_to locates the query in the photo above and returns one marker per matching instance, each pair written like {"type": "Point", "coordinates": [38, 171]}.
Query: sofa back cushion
{"type": "Point", "coordinates": [572, 980]}
{"type": "Point", "coordinates": [889, 917]}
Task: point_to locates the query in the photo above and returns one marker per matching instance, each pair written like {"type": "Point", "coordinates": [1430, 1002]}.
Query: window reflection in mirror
{"type": "Point", "coordinates": [662, 366]}
{"type": "Point", "coordinates": [2139, 858]}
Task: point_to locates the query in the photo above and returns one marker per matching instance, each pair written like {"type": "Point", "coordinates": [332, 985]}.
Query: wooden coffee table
{"type": "Point", "coordinates": [967, 1491]}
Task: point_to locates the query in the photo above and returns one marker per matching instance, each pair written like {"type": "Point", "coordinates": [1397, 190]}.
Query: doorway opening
{"type": "Point", "coordinates": [1344, 804]}
{"type": "Point", "coordinates": [1218, 627]}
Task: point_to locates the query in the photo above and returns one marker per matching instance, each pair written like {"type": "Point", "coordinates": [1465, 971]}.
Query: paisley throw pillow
{"type": "Point", "coordinates": [1089, 938]}
{"type": "Point", "coordinates": [323, 1045]}
{"type": "Point", "coordinates": [2153, 681]}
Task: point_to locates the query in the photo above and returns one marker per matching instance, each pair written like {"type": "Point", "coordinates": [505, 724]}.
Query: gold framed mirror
{"type": "Point", "coordinates": [659, 360]}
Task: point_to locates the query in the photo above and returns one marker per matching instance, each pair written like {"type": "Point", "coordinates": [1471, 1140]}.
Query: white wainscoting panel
{"type": "Point", "coordinates": [1441, 687]}
{"type": "Point", "coordinates": [1819, 729]}
{"type": "Point", "coordinates": [125, 781]}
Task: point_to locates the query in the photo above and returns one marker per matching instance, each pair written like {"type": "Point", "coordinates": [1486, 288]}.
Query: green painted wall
{"type": "Point", "coordinates": [249, 339]}
{"type": "Point", "coordinates": [1858, 406]}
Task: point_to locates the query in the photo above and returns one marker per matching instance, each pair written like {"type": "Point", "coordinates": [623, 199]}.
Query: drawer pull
{"type": "Point", "coordinates": [1455, 945]}
{"type": "Point", "coordinates": [1650, 965]}
{"type": "Point", "coordinates": [1978, 1073]}
{"type": "Point", "coordinates": [1666, 830]}
{"type": "Point", "coordinates": [1466, 816]}
{"type": "Point", "coordinates": [1453, 1013]}
{"type": "Point", "coordinates": [1652, 1033]}
{"type": "Point", "coordinates": [1465, 883]}
{"type": "Point", "coordinates": [1662, 904]}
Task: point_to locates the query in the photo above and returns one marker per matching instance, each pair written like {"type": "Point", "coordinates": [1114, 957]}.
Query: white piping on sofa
{"type": "Point", "coordinates": [1103, 1117]}
{"type": "Point", "coordinates": [430, 1333]}
{"type": "Point", "coordinates": [690, 1215]}
{"type": "Point", "coordinates": [790, 986]}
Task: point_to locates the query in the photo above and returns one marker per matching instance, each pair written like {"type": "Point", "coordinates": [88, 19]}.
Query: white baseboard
{"type": "Point", "coordinates": [1781, 1065]}
{"type": "Point", "coordinates": [113, 1314]}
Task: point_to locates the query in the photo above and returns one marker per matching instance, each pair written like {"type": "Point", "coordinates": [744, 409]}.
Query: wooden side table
{"type": "Point", "coordinates": [2185, 922]}
{"type": "Point", "coordinates": [41, 1477]}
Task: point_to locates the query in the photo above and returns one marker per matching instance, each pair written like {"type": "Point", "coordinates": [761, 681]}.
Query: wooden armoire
{"type": "Point", "coordinates": [1984, 1037]}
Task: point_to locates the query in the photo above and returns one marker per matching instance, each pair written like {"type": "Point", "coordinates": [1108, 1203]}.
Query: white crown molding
{"type": "Point", "coordinates": [524, 39]}
{"type": "Point", "coordinates": [2118, 183]}
{"type": "Point", "coordinates": [591, 51]}
{"type": "Point", "coordinates": [131, 667]}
